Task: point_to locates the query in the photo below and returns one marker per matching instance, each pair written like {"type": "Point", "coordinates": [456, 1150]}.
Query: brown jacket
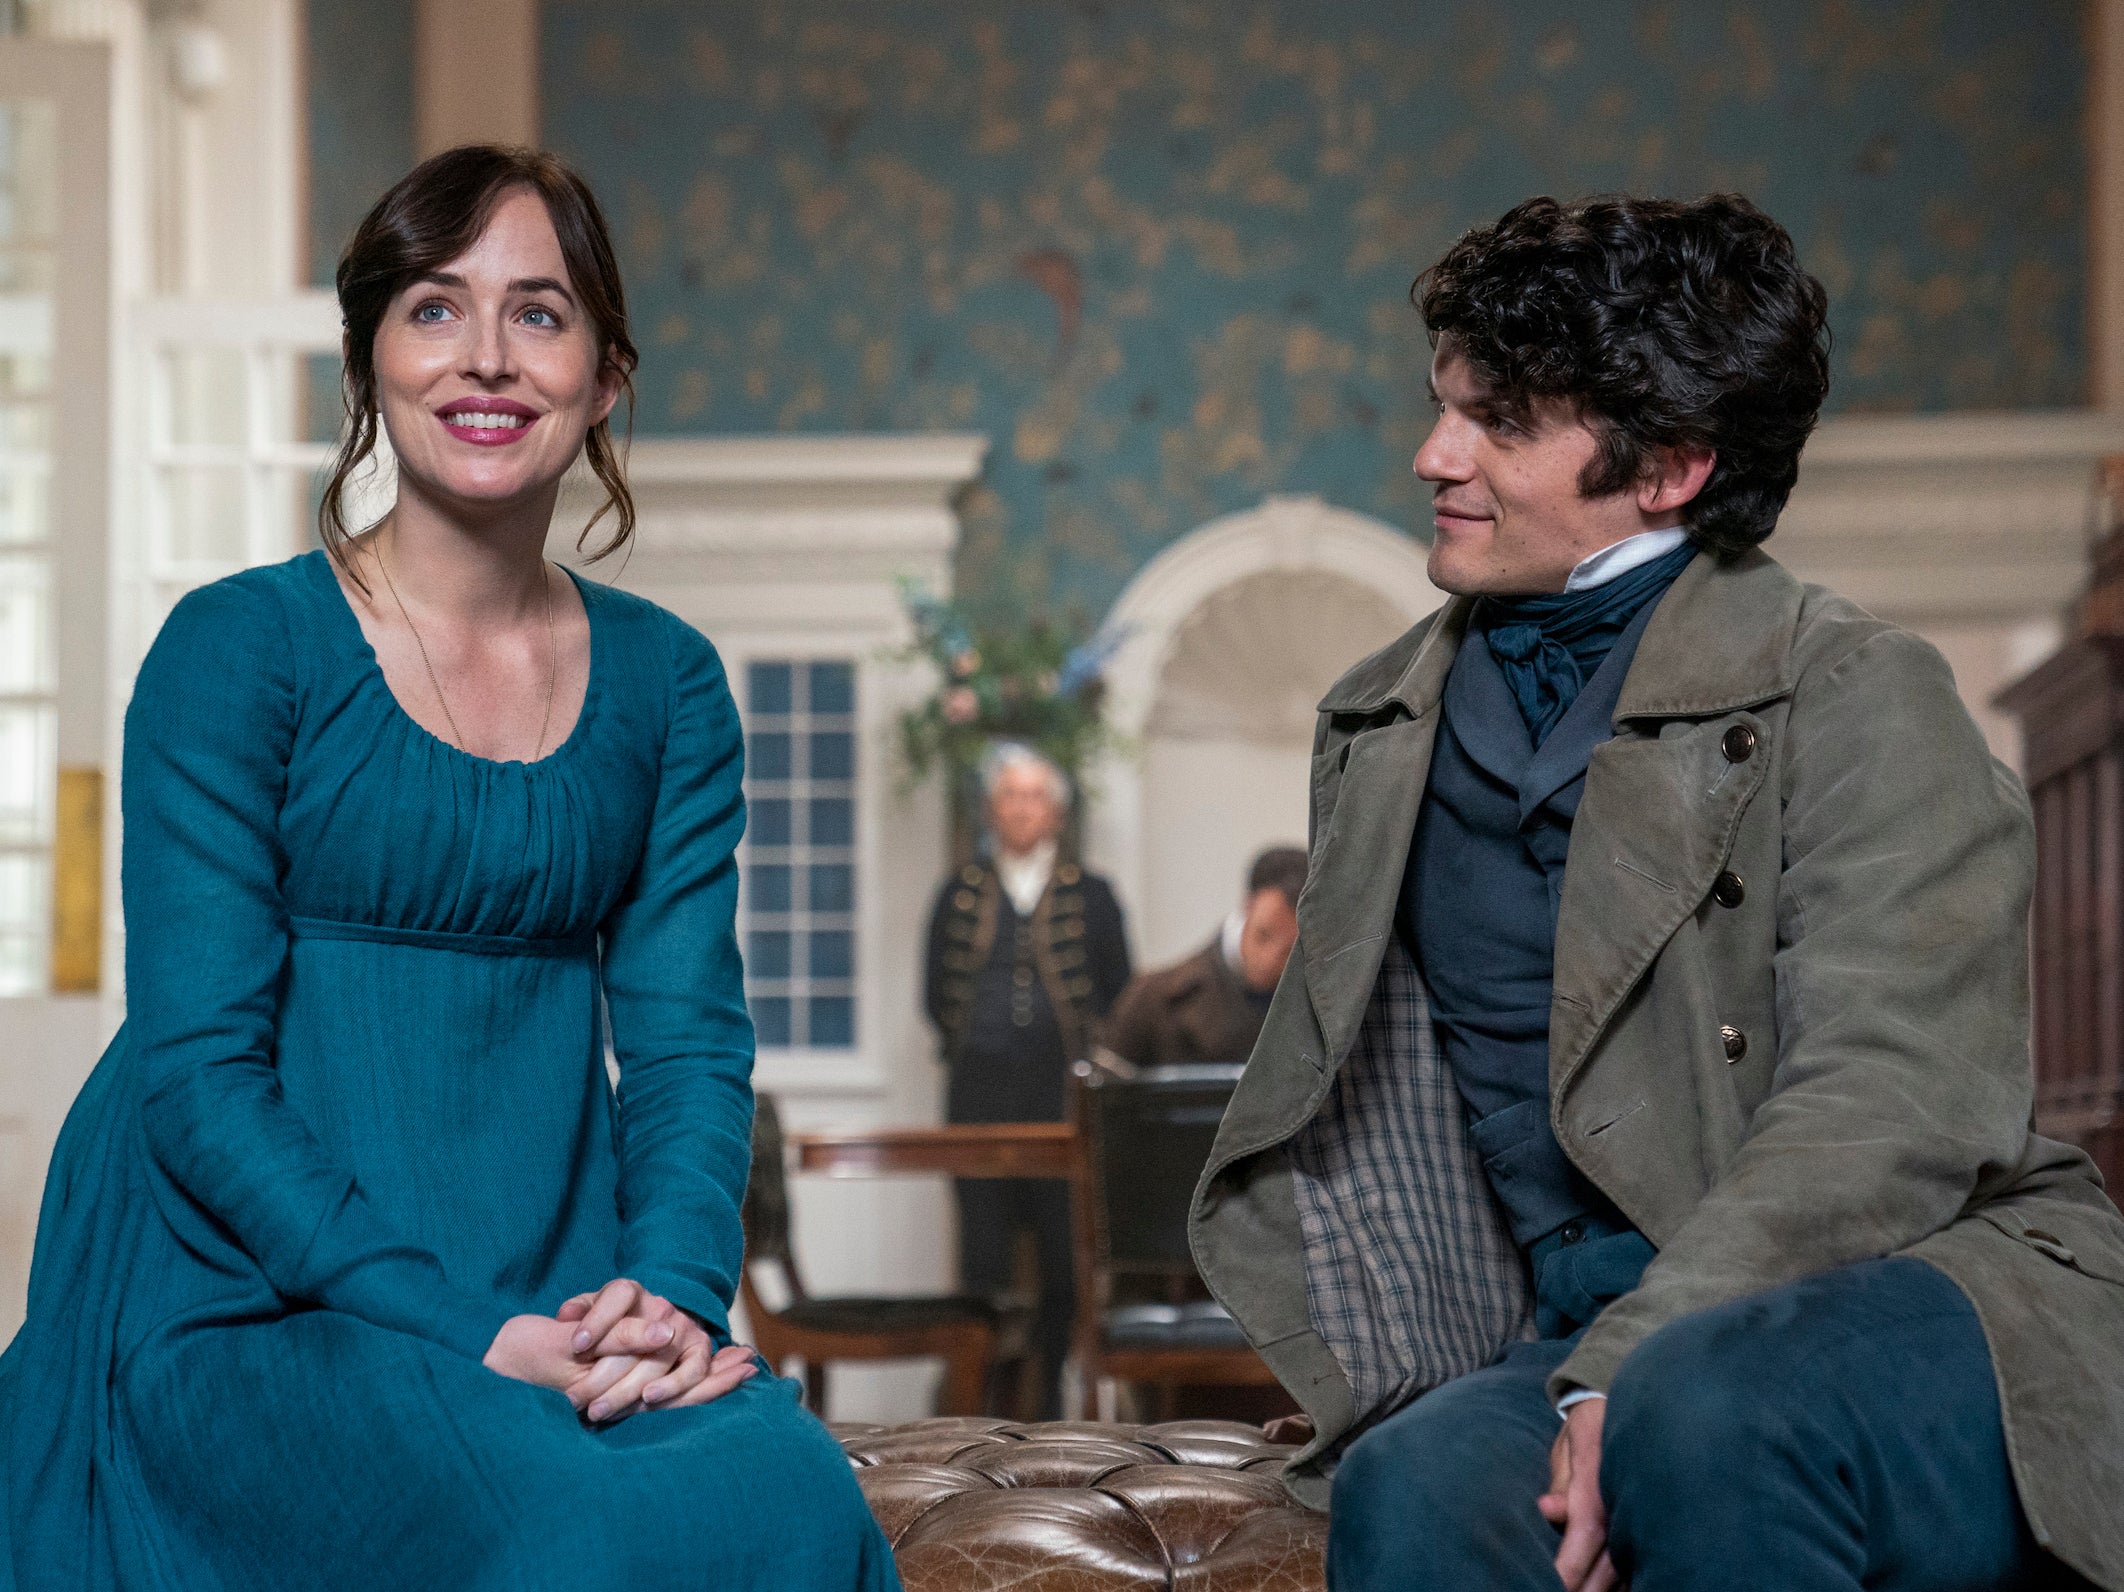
{"type": "Point", "coordinates": [1834, 1069]}
{"type": "Point", "coordinates": [1193, 1011]}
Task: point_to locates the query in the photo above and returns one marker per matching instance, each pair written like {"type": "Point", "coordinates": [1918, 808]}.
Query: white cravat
{"type": "Point", "coordinates": [1232, 938]}
{"type": "Point", "coordinates": [1024, 877]}
{"type": "Point", "coordinates": [1619, 558]}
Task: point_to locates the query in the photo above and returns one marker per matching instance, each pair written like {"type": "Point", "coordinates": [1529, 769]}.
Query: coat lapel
{"type": "Point", "coordinates": [1347, 910]}
{"type": "Point", "coordinates": [1662, 800]}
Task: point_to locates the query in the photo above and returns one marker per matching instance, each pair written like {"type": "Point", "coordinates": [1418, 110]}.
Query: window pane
{"type": "Point", "coordinates": [832, 755]}
{"type": "Point", "coordinates": [833, 1021]}
{"type": "Point", "coordinates": [799, 890]}
{"type": "Point", "coordinates": [769, 955]}
{"type": "Point", "coordinates": [833, 688]}
{"type": "Point", "coordinates": [770, 1019]}
{"type": "Point", "coordinates": [25, 906]}
{"type": "Point", "coordinates": [832, 954]}
{"type": "Point", "coordinates": [832, 821]}
{"type": "Point", "coordinates": [767, 887]}
{"type": "Point", "coordinates": [832, 887]}
{"type": "Point", "coordinates": [207, 513]}
{"type": "Point", "coordinates": [770, 755]}
{"type": "Point", "coordinates": [770, 821]}
{"type": "Point", "coordinates": [770, 687]}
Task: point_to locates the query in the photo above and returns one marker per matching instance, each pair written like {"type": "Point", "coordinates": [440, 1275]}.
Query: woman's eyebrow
{"type": "Point", "coordinates": [541, 284]}
{"type": "Point", "coordinates": [523, 284]}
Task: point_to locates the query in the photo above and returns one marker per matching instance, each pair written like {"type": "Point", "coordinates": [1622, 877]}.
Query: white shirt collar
{"type": "Point", "coordinates": [1024, 878]}
{"type": "Point", "coordinates": [1619, 558]}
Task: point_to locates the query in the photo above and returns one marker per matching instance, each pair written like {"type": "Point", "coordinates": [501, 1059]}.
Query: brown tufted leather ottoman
{"type": "Point", "coordinates": [978, 1505]}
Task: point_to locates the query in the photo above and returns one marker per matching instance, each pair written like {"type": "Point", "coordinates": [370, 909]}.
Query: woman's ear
{"type": "Point", "coordinates": [611, 382]}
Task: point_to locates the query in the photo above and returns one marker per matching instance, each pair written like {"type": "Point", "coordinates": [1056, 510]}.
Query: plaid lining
{"type": "Point", "coordinates": [1411, 1275]}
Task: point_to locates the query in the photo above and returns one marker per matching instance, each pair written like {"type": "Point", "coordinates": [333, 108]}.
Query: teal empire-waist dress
{"type": "Point", "coordinates": [359, 1116]}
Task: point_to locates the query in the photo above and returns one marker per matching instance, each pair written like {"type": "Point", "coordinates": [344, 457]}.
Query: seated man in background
{"type": "Point", "coordinates": [1026, 954]}
{"type": "Point", "coordinates": [1210, 1006]}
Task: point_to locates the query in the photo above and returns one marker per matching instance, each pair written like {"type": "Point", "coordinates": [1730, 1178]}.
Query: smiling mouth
{"type": "Point", "coordinates": [487, 427]}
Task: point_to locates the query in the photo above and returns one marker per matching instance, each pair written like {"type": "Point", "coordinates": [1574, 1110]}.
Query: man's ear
{"type": "Point", "coordinates": [1676, 476]}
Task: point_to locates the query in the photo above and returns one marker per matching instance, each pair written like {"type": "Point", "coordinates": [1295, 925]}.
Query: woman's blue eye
{"type": "Point", "coordinates": [546, 317]}
{"type": "Point", "coordinates": [422, 314]}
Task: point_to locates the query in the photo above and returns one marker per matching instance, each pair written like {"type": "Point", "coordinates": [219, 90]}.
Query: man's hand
{"type": "Point", "coordinates": [1573, 1501]}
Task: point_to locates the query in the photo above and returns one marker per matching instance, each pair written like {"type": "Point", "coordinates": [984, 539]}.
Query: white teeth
{"type": "Point", "coordinates": [487, 422]}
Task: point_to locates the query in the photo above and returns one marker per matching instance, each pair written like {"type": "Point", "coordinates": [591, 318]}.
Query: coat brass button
{"type": "Point", "coordinates": [1738, 744]}
{"type": "Point", "coordinates": [1728, 890]}
{"type": "Point", "coordinates": [1735, 1041]}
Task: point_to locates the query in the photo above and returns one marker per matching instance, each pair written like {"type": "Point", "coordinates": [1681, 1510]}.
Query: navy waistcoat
{"type": "Point", "coordinates": [1478, 911]}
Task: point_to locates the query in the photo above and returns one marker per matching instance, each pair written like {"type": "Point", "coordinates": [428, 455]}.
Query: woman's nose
{"type": "Point", "coordinates": [488, 356]}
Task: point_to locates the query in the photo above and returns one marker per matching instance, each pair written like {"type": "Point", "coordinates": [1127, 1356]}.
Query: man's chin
{"type": "Point", "coordinates": [1457, 576]}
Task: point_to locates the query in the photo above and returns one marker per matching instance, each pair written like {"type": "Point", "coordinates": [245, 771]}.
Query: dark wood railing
{"type": "Point", "coordinates": [2071, 709]}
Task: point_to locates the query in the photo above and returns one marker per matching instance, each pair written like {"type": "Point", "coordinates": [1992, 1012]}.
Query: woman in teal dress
{"type": "Point", "coordinates": [353, 1271]}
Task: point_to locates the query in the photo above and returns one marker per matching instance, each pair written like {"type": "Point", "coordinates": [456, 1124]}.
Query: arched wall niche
{"type": "Point", "coordinates": [1230, 636]}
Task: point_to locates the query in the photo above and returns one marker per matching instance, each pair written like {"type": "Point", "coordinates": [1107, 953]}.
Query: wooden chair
{"type": "Point", "coordinates": [1147, 1134]}
{"type": "Point", "coordinates": [787, 1321]}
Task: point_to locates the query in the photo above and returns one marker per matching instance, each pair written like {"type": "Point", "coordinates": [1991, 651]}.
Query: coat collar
{"type": "Point", "coordinates": [1720, 639]}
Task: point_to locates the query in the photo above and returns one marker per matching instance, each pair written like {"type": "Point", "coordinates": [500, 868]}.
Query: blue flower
{"type": "Point", "coordinates": [1086, 663]}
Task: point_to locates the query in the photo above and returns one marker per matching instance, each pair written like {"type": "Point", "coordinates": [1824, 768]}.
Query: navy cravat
{"type": "Point", "coordinates": [1548, 646]}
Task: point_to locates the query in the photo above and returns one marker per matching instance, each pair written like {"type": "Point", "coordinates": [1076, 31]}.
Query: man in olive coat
{"type": "Point", "coordinates": [1654, 1054]}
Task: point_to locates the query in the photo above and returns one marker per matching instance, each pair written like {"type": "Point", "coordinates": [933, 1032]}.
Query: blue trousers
{"type": "Point", "coordinates": [1837, 1433]}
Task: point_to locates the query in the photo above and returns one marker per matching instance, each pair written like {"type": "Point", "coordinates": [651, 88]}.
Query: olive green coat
{"type": "Point", "coordinates": [1876, 966]}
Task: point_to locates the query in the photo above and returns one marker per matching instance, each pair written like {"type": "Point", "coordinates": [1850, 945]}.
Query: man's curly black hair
{"type": "Point", "coordinates": [1666, 322]}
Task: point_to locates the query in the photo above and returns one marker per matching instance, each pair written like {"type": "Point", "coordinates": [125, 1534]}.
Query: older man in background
{"type": "Point", "coordinates": [1210, 1006]}
{"type": "Point", "coordinates": [1026, 954]}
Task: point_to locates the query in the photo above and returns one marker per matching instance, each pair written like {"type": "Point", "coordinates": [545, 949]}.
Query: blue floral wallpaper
{"type": "Point", "coordinates": [361, 116]}
{"type": "Point", "coordinates": [1159, 250]}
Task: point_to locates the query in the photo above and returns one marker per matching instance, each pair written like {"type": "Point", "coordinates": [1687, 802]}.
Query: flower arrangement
{"type": "Point", "coordinates": [1035, 680]}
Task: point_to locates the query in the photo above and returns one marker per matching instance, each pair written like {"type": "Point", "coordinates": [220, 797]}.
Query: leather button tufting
{"type": "Point", "coordinates": [1735, 1041]}
{"type": "Point", "coordinates": [973, 1505]}
{"type": "Point", "coordinates": [1728, 890]}
{"type": "Point", "coordinates": [1738, 744]}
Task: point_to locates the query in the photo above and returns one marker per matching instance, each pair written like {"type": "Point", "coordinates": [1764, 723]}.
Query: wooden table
{"type": "Point", "coordinates": [967, 1149]}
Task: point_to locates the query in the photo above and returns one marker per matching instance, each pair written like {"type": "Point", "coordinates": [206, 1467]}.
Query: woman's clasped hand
{"type": "Point", "coordinates": [619, 1351]}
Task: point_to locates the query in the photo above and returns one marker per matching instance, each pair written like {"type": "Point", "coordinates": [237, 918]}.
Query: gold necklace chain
{"type": "Point", "coordinates": [435, 683]}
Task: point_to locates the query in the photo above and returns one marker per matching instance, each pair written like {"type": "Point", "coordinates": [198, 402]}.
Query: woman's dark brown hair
{"type": "Point", "coordinates": [432, 215]}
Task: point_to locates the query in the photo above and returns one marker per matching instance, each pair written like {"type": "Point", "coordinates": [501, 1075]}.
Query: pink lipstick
{"type": "Point", "coordinates": [487, 422]}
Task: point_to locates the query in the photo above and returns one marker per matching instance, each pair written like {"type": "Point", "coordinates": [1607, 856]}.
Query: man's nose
{"type": "Point", "coordinates": [1444, 454]}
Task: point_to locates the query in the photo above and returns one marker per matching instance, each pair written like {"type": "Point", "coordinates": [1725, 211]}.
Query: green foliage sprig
{"type": "Point", "coordinates": [1033, 679]}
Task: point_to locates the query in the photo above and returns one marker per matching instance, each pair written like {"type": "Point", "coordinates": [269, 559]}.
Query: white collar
{"type": "Point", "coordinates": [1619, 558]}
{"type": "Point", "coordinates": [1231, 938]}
{"type": "Point", "coordinates": [1024, 877]}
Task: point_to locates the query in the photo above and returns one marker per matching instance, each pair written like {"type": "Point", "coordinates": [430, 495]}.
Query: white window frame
{"type": "Point", "coordinates": [860, 794]}
{"type": "Point", "coordinates": [59, 573]}
{"type": "Point", "coordinates": [271, 339]}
